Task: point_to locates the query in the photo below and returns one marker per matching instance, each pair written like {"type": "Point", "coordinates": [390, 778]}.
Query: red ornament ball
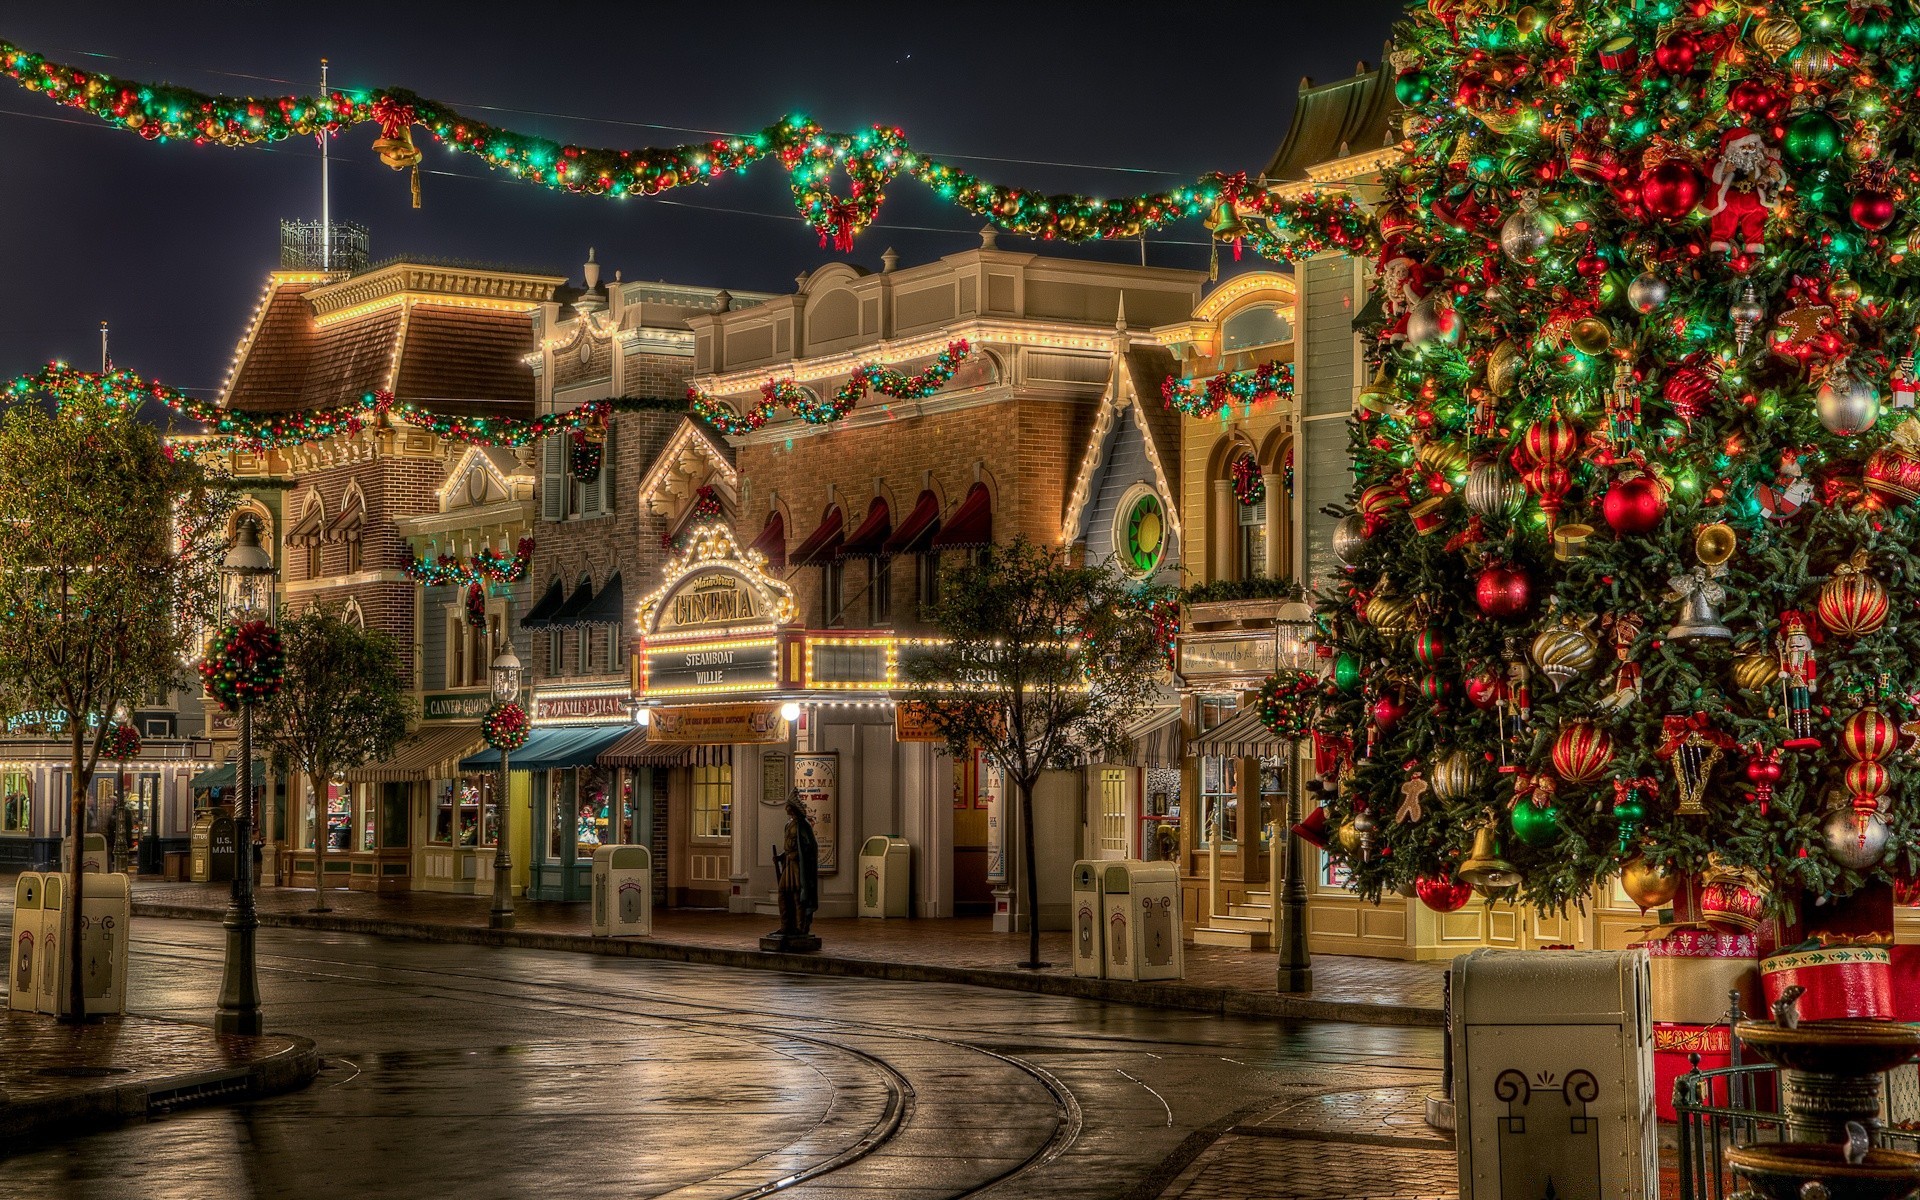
{"type": "Point", "coordinates": [1582, 752]}
{"type": "Point", "coordinates": [1635, 505]}
{"type": "Point", "coordinates": [1670, 190]}
{"type": "Point", "coordinates": [1387, 711]}
{"type": "Point", "coordinates": [1503, 590]}
{"type": "Point", "coordinates": [1869, 735]}
{"type": "Point", "coordinates": [1442, 893]}
{"type": "Point", "coordinates": [1872, 210]}
{"type": "Point", "coordinates": [1676, 55]}
{"type": "Point", "coordinates": [1483, 689]}
{"type": "Point", "coordinates": [1752, 98]}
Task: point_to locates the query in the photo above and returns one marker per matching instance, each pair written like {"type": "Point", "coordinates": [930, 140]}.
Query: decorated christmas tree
{"type": "Point", "coordinates": [1631, 562]}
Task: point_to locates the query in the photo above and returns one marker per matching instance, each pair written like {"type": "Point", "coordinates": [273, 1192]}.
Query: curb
{"type": "Point", "coordinates": [1190, 997]}
{"type": "Point", "coordinates": [24, 1125]}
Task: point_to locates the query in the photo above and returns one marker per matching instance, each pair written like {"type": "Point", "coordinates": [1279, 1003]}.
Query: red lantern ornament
{"type": "Point", "coordinates": [1503, 590]}
{"type": "Point", "coordinates": [1671, 190]}
{"type": "Point", "coordinates": [1582, 752]}
{"type": "Point", "coordinates": [1872, 210]}
{"type": "Point", "coordinates": [1763, 772]}
{"type": "Point", "coordinates": [1443, 893]}
{"type": "Point", "coordinates": [1635, 503]}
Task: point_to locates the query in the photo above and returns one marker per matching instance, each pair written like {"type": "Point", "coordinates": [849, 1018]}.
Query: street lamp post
{"type": "Point", "coordinates": [246, 578]}
{"type": "Point", "coordinates": [506, 689]}
{"type": "Point", "coordinates": [1294, 647]}
{"type": "Point", "coordinates": [122, 834]}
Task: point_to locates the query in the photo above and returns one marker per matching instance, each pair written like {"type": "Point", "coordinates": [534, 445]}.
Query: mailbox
{"type": "Point", "coordinates": [214, 854]}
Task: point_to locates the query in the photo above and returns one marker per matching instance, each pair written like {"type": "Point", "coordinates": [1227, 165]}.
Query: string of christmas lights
{"type": "Point", "coordinates": [1267, 379]}
{"type": "Point", "coordinates": [484, 567]}
{"type": "Point", "coordinates": [871, 377]}
{"type": "Point", "coordinates": [1282, 229]}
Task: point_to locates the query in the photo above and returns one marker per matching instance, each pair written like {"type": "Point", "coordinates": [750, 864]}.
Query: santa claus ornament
{"type": "Point", "coordinates": [1404, 283]}
{"type": "Point", "coordinates": [1743, 182]}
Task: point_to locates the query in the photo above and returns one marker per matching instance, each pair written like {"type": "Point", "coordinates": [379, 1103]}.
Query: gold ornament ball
{"type": "Point", "coordinates": [1776, 36]}
{"type": "Point", "coordinates": [1591, 336]}
{"type": "Point", "coordinates": [1564, 653]}
{"type": "Point", "coordinates": [1503, 368]}
{"type": "Point", "coordinates": [1756, 672]}
{"type": "Point", "coordinates": [1348, 837]}
{"type": "Point", "coordinates": [1454, 775]}
{"type": "Point", "coordinates": [1447, 458]}
{"type": "Point", "coordinates": [1647, 885]}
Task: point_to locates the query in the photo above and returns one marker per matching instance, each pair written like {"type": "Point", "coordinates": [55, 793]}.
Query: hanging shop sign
{"type": "Point", "coordinates": [581, 707]}
{"type": "Point", "coordinates": [913, 723]}
{"type": "Point", "coordinates": [1244, 654]}
{"type": "Point", "coordinates": [776, 777]}
{"type": "Point", "coordinates": [455, 706]}
{"type": "Point", "coordinates": [817, 778]}
{"type": "Point", "coordinates": [719, 725]}
{"type": "Point", "coordinates": [714, 589]}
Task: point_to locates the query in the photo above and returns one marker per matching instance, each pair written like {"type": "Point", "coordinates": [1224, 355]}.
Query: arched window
{"type": "Point", "coordinates": [1260, 325]}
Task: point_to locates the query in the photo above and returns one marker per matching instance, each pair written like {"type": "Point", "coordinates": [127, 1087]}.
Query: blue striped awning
{"type": "Point", "coordinates": [553, 748]}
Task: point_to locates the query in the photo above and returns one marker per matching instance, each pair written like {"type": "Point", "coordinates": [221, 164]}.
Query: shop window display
{"type": "Point", "coordinates": [16, 803]}
{"type": "Point", "coordinates": [457, 808]}
{"type": "Point", "coordinates": [713, 801]}
{"type": "Point", "coordinates": [596, 809]}
{"type": "Point", "coordinates": [1219, 793]}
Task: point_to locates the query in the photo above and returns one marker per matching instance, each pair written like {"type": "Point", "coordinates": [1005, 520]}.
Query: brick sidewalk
{"type": "Point", "coordinates": [60, 1080]}
{"type": "Point", "coordinates": [966, 950]}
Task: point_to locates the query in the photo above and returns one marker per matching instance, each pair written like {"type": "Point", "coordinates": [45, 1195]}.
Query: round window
{"type": "Point", "coordinates": [1142, 533]}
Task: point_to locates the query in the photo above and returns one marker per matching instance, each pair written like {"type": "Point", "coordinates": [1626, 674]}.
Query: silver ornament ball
{"type": "Point", "coordinates": [1847, 405]}
{"type": "Point", "coordinates": [1856, 839]}
{"type": "Point", "coordinates": [1350, 538]}
{"type": "Point", "coordinates": [1492, 491]}
{"type": "Point", "coordinates": [1525, 234]}
{"type": "Point", "coordinates": [1432, 323]}
{"type": "Point", "coordinates": [1648, 292]}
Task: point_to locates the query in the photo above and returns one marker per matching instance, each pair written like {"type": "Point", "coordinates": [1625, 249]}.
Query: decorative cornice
{"type": "Point", "coordinates": [442, 286]}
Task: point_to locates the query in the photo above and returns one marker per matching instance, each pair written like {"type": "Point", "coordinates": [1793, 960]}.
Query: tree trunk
{"type": "Point", "coordinates": [1033, 873]}
{"type": "Point", "coordinates": [320, 838]}
{"type": "Point", "coordinates": [76, 1013]}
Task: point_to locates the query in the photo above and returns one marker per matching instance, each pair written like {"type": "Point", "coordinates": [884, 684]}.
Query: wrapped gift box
{"type": "Point", "coordinates": [1694, 969]}
{"type": "Point", "coordinates": [1674, 1046]}
{"type": "Point", "coordinates": [1842, 979]}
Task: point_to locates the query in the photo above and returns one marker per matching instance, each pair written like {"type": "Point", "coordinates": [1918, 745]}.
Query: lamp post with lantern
{"type": "Point", "coordinates": [122, 820]}
{"type": "Point", "coordinates": [505, 673]}
{"type": "Point", "coordinates": [247, 595]}
{"type": "Point", "coordinates": [1294, 651]}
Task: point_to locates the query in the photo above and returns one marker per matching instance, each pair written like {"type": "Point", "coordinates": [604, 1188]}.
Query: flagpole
{"type": "Point", "coordinates": [326, 222]}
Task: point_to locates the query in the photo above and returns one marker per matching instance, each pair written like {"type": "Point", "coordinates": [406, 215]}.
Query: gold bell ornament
{"type": "Point", "coordinates": [395, 143]}
{"type": "Point", "coordinates": [1484, 868]}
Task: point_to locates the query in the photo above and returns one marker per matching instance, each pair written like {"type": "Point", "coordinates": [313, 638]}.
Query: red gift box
{"type": "Point", "coordinates": [1842, 978]}
{"type": "Point", "coordinates": [1694, 969]}
{"type": "Point", "coordinates": [1674, 1046]}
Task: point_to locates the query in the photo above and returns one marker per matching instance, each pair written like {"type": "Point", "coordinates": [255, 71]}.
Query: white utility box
{"type": "Point", "coordinates": [886, 876]}
{"type": "Point", "coordinates": [1089, 943]}
{"type": "Point", "coordinates": [622, 891]}
{"type": "Point", "coordinates": [1553, 1075]}
{"type": "Point", "coordinates": [1140, 907]}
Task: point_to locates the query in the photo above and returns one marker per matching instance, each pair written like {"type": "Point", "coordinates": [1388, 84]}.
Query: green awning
{"type": "Point", "coordinates": [222, 777]}
{"type": "Point", "coordinates": [553, 748]}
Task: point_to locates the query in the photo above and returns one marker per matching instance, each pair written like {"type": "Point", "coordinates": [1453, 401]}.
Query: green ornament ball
{"type": "Point", "coordinates": [1867, 30]}
{"type": "Point", "coordinates": [1346, 671]}
{"type": "Point", "coordinates": [1812, 138]}
{"type": "Point", "coordinates": [1629, 812]}
{"type": "Point", "coordinates": [1413, 88]}
{"type": "Point", "coordinates": [1534, 825]}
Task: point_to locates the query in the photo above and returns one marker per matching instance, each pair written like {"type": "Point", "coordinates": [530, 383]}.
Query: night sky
{"type": "Point", "coordinates": [170, 244]}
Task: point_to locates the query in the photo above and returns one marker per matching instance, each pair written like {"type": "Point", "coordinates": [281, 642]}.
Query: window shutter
{"type": "Point", "coordinates": [554, 481]}
{"type": "Point", "coordinates": [1323, 468]}
{"type": "Point", "coordinates": [605, 482]}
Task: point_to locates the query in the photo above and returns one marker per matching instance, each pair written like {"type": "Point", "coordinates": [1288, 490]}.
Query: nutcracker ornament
{"type": "Point", "coordinates": [1798, 678]}
{"type": "Point", "coordinates": [1515, 704]}
{"type": "Point", "coordinates": [1745, 180]}
{"type": "Point", "coordinates": [1623, 630]}
{"type": "Point", "coordinates": [1905, 383]}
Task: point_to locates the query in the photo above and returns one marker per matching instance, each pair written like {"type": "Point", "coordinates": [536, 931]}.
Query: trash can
{"type": "Point", "coordinates": [1140, 907]}
{"type": "Point", "coordinates": [24, 938]}
{"type": "Point", "coordinates": [1553, 1074]}
{"type": "Point", "coordinates": [1089, 945]}
{"type": "Point", "coordinates": [94, 847]}
{"type": "Point", "coordinates": [51, 949]}
{"type": "Point", "coordinates": [622, 891]}
{"type": "Point", "coordinates": [886, 876]}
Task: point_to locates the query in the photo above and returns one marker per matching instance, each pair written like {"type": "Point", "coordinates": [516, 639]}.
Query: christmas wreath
{"type": "Point", "coordinates": [584, 460]}
{"type": "Point", "coordinates": [1287, 701]}
{"type": "Point", "coordinates": [243, 662]}
{"type": "Point", "coordinates": [505, 726]}
{"type": "Point", "coordinates": [1249, 485]}
{"type": "Point", "coordinates": [122, 742]}
{"type": "Point", "coordinates": [476, 606]}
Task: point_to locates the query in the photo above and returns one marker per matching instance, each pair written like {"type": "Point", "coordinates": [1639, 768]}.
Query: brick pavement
{"type": "Point", "coordinates": [956, 950]}
{"type": "Point", "coordinates": [59, 1080]}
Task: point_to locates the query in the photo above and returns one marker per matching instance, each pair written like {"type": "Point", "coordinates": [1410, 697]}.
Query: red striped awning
{"type": "Point", "coordinates": [772, 542]}
{"type": "Point", "coordinates": [913, 534]}
{"type": "Point", "coordinates": [820, 545]}
{"type": "Point", "coordinates": [870, 539]}
{"type": "Point", "coordinates": [971, 524]}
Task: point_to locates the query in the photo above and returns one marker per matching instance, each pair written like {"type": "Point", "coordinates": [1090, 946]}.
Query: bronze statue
{"type": "Point", "coordinates": [797, 871]}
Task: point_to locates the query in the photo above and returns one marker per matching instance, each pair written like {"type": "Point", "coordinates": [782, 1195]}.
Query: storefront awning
{"type": "Point", "coordinates": [608, 606]}
{"type": "Point", "coordinates": [918, 529]}
{"type": "Point", "coordinates": [1157, 739]}
{"type": "Point", "coordinates": [772, 543]}
{"type": "Point", "coordinates": [820, 545]}
{"type": "Point", "coordinates": [553, 748]}
{"type": "Point", "coordinates": [636, 749]}
{"type": "Point", "coordinates": [971, 524]}
{"type": "Point", "coordinates": [1243, 735]}
{"type": "Point", "coordinates": [429, 754]}
{"type": "Point", "coordinates": [544, 608]}
{"type": "Point", "coordinates": [868, 540]}
{"type": "Point", "coordinates": [223, 777]}
{"type": "Point", "coordinates": [576, 604]}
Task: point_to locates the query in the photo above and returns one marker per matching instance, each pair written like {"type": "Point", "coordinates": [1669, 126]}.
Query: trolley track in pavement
{"type": "Point", "coordinates": [724, 1020]}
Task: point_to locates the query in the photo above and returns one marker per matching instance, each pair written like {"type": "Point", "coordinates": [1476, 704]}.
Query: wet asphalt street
{"type": "Point", "coordinates": [473, 1072]}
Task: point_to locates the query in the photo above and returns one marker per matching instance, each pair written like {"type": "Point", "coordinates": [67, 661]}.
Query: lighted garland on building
{"type": "Point", "coordinates": [869, 377]}
{"type": "Point", "coordinates": [484, 567]}
{"type": "Point", "coordinates": [1282, 229]}
{"type": "Point", "coordinates": [1249, 485]}
{"type": "Point", "coordinates": [243, 663]}
{"type": "Point", "coordinates": [506, 726]}
{"type": "Point", "coordinates": [1289, 700]}
{"type": "Point", "coordinates": [1267, 379]}
{"type": "Point", "coordinates": [121, 743]}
